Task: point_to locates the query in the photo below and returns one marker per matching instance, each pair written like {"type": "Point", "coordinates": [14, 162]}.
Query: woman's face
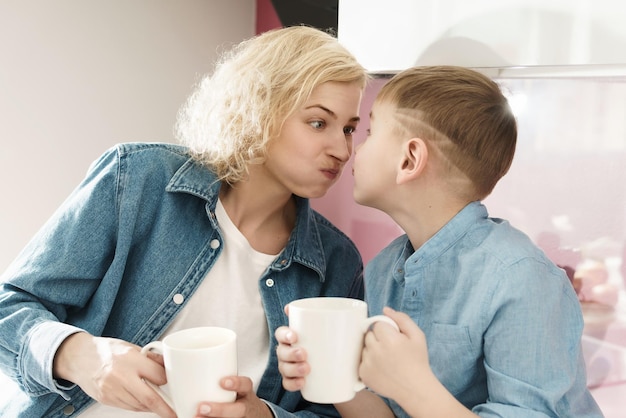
{"type": "Point", "coordinates": [316, 140]}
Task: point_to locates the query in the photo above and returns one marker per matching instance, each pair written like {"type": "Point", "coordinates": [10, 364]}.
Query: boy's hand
{"type": "Point", "coordinates": [246, 405]}
{"type": "Point", "coordinates": [393, 363]}
{"type": "Point", "coordinates": [292, 362]}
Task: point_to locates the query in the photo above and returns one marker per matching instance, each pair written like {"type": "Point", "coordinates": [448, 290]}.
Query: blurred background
{"type": "Point", "coordinates": [79, 76]}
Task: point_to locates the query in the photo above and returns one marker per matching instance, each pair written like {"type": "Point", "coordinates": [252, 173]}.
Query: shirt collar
{"type": "Point", "coordinates": [450, 233]}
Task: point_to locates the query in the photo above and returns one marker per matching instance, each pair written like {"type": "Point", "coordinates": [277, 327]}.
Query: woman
{"type": "Point", "coordinates": [216, 231]}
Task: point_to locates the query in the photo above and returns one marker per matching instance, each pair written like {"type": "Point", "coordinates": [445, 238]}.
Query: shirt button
{"type": "Point", "coordinates": [215, 244]}
{"type": "Point", "coordinates": [269, 283]}
{"type": "Point", "coordinates": [68, 410]}
{"type": "Point", "coordinates": [178, 298]}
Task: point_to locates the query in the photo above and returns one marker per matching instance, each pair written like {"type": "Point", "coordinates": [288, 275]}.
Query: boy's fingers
{"type": "Point", "coordinates": [285, 335]}
{"type": "Point", "coordinates": [407, 326]}
{"type": "Point", "coordinates": [289, 354]}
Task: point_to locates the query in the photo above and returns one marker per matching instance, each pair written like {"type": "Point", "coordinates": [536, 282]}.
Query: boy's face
{"type": "Point", "coordinates": [377, 160]}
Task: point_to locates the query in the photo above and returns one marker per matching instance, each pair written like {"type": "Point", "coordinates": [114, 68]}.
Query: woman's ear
{"type": "Point", "coordinates": [413, 162]}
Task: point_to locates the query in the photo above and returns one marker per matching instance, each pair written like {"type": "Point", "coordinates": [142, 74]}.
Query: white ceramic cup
{"type": "Point", "coordinates": [331, 330]}
{"type": "Point", "coordinates": [195, 361]}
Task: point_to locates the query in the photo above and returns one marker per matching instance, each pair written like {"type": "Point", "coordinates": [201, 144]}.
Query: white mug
{"type": "Point", "coordinates": [331, 330]}
{"type": "Point", "coordinates": [195, 361]}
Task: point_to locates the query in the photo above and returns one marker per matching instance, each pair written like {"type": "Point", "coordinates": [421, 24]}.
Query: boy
{"type": "Point", "coordinates": [489, 325]}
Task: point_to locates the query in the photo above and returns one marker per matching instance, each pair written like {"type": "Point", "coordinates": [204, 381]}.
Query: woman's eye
{"type": "Point", "coordinates": [317, 124]}
{"type": "Point", "coordinates": [349, 130]}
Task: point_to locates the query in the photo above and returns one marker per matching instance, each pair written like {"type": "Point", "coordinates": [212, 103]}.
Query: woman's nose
{"type": "Point", "coordinates": [342, 147]}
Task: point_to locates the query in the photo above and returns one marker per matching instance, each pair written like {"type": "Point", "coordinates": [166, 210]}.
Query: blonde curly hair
{"type": "Point", "coordinates": [232, 115]}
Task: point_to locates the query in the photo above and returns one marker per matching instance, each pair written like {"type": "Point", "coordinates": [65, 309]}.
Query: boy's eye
{"type": "Point", "coordinates": [317, 124]}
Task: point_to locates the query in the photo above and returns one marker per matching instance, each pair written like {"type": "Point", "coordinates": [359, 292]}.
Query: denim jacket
{"type": "Point", "coordinates": [123, 254]}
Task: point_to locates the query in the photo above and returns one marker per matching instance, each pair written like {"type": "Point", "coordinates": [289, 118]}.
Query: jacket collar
{"type": "Point", "coordinates": [305, 243]}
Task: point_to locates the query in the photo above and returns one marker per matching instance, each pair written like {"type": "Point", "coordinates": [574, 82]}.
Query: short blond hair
{"type": "Point", "coordinates": [233, 114]}
{"type": "Point", "coordinates": [463, 116]}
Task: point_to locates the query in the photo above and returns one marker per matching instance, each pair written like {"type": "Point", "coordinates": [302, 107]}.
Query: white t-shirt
{"type": "Point", "coordinates": [228, 297]}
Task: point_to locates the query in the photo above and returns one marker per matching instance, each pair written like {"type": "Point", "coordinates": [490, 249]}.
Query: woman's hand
{"type": "Point", "coordinates": [112, 372]}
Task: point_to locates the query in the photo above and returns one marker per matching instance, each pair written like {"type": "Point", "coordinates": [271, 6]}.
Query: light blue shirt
{"type": "Point", "coordinates": [502, 322]}
{"type": "Point", "coordinates": [124, 253]}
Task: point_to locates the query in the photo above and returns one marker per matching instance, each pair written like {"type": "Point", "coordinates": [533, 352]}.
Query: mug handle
{"type": "Point", "coordinates": [158, 347]}
{"type": "Point", "coordinates": [366, 326]}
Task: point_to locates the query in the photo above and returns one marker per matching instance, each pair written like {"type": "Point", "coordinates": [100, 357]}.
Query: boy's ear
{"type": "Point", "coordinates": [413, 162]}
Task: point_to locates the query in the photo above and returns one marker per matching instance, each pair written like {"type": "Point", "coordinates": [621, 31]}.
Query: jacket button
{"type": "Point", "coordinates": [178, 298]}
{"type": "Point", "coordinates": [215, 244]}
{"type": "Point", "coordinates": [269, 283]}
{"type": "Point", "coordinates": [68, 410]}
